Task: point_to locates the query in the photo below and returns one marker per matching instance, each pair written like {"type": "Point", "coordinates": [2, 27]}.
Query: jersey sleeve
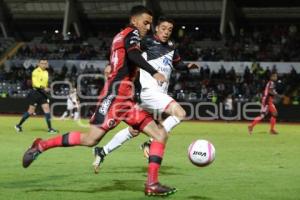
{"type": "Point", "coordinates": [132, 41]}
{"type": "Point", "coordinates": [272, 85]}
{"type": "Point", "coordinates": [176, 57]}
{"type": "Point", "coordinates": [133, 49]}
{"type": "Point", "coordinates": [145, 43]}
{"type": "Point", "coordinates": [178, 63]}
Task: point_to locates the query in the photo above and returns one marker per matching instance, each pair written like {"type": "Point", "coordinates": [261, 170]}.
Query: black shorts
{"type": "Point", "coordinates": [37, 97]}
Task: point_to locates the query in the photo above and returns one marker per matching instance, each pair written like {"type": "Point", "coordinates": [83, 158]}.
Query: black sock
{"type": "Point", "coordinates": [25, 116]}
{"type": "Point", "coordinates": [48, 120]}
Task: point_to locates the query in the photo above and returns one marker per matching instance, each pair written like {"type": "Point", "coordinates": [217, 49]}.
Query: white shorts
{"type": "Point", "coordinates": [155, 101]}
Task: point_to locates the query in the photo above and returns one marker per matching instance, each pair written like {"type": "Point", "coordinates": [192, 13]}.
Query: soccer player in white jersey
{"type": "Point", "coordinates": [160, 52]}
{"type": "Point", "coordinates": [72, 105]}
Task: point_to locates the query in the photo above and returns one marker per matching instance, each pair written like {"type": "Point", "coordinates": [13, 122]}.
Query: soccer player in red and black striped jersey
{"type": "Point", "coordinates": [116, 103]}
{"type": "Point", "coordinates": [267, 105]}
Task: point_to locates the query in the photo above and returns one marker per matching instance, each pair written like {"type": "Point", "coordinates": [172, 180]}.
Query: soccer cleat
{"type": "Point", "coordinates": [273, 132]}
{"type": "Point", "coordinates": [156, 189]}
{"type": "Point", "coordinates": [146, 148]}
{"type": "Point", "coordinates": [250, 129]}
{"type": "Point", "coordinates": [99, 158]}
{"type": "Point", "coordinates": [32, 153]}
{"type": "Point", "coordinates": [18, 128]}
{"type": "Point", "coordinates": [52, 131]}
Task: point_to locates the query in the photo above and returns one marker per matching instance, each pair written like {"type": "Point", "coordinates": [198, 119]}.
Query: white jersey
{"type": "Point", "coordinates": [161, 56]}
{"type": "Point", "coordinates": [163, 65]}
{"type": "Point", "coordinates": [72, 101]}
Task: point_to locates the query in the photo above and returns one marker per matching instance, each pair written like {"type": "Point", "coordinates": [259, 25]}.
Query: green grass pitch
{"type": "Point", "coordinates": [257, 167]}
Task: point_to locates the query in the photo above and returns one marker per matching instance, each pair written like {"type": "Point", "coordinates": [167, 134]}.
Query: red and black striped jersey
{"type": "Point", "coordinates": [123, 71]}
{"type": "Point", "coordinates": [267, 96]}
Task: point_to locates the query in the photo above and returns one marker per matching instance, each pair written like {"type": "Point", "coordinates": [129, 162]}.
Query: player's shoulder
{"type": "Point", "coordinates": [270, 84]}
{"type": "Point", "coordinates": [36, 70]}
{"type": "Point", "coordinates": [131, 32]}
{"type": "Point", "coordinates": [147, 40]}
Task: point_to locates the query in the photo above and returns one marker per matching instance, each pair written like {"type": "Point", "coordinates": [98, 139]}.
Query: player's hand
{"type": "Point", "coordinates": [160, 78]}
{"type": "Point", "coordinates": [47, 89]}
{"type": "Point", "coordinates": [192, 66]}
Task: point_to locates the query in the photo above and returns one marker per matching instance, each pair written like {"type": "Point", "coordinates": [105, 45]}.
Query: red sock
{"type": "Point", "coordinates": [273, 122]}
{"type": "Point", "coordinates": [256, 120]}
{"type": "Point", "coordinates": [155, 157]}
{"type": "Point", "coordinates": [66, 140]}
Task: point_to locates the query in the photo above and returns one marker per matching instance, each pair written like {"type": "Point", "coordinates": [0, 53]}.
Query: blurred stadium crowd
{"type": "Point", "coordinates": [262, 43]}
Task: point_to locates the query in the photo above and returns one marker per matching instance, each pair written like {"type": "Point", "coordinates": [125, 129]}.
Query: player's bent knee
{"type": "Point", "coordinates": [134, 132]}
{"type": "Point", "coordinates": [181, 114]}
{"type": "Point", "coordinates": [161, 136]}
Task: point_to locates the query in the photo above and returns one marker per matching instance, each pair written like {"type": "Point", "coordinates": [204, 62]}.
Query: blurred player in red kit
{"type": "Point", "coordinates": [267, 105]}
{"type": "Point", "coordinates": [116, 103]}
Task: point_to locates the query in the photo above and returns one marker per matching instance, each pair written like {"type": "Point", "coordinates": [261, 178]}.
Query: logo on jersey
{"type": "Point", "coordinates": [167, 61]}
{"type": "Point", "coordinates": [105, 104]}
{"type": "Point", "coordinates": [170, 43]}
{"type": "Point", "coordinates": [111, 123]}
{"type": "Point", "coordinates": [136, 32]}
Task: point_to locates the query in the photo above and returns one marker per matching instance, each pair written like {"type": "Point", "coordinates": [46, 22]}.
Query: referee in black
{"type": "Point", "coordinates": [38, 95]}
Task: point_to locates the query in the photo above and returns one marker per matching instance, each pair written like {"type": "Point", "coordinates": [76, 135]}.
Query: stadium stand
{"type": "Point", "coordinates": [253, 34]}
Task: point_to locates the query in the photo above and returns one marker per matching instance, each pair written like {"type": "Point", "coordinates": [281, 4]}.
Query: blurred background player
{"type": "Point", "coordinates": [38, 95]}
{"type": "Point", "coordinates": [160, 52]}
{"type": "Point", "coordinates": [72, 105]}
{"type": "Point", "coordinates": [228, 106]}
{"type": "Point", "coordinates": [107, 70]}
{"type": "Point", "coordinates": [116, 103]}
{"type": "Point", "coordinates": [267, 105]}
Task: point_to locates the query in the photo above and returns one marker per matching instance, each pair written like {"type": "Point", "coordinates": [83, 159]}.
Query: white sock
{"type": "Point", "coordinates": [76, 116]}
{"type": "Point", "coordinates": [170, 123]}
{"type": "Point", "coordinates": [121, 137]}
{"type": "Point", "coordinates": [64, 115]}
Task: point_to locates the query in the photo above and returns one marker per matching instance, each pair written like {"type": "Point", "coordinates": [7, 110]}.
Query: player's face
{"type": "Point", "coordinates": [274, 77]}
{"type": "Point", "coordinates": [43, 64]}
{"type": "Point", "coordinates": [164, 31]}
{"type": "Point", "coordinates": [142, 23]}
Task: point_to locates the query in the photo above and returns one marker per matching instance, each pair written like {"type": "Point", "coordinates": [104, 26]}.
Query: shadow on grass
{"type": "Point", "coordinates": [199, 198]}
{"type": "Point", "coordinates": [118, 185]}
{"type": "Point", "coordinates": [31, 183]}
{"type": "Point", "coordinates": [262, 132]}
{"type": "Point", "coordinates": [164, 170]}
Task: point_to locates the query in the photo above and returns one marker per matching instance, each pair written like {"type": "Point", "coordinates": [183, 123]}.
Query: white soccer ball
{"type": "Point", "coordinates": [201, 153]}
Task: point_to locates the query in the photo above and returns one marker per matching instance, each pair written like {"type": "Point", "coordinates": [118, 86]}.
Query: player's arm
{"type": "Point", "coordinates": [132, 45]}
{"type": "Point", "coordinates": [273, 92]}
{"type": "Point", "coordinates": [180, 65]}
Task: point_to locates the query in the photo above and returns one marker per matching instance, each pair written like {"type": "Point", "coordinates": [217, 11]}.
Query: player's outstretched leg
{"type": "Point", "coordinates": [73, 138]}
{"type": "Point", "coordinates": [32, 153]}
{"type": "Point", "coordinates": [255, 121]}
{"type": "Point", "coordinates": [176, 115]}
{"type": "Point", "coordinates": [152, 186]}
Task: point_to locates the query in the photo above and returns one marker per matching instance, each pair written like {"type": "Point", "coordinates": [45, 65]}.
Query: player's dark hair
{"type": "Point", "coordinates": [138, 10]}
{"type": "Point", "coordinates": [164, 19]}
{"type": "Point", "coordinates": [42, 58]}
